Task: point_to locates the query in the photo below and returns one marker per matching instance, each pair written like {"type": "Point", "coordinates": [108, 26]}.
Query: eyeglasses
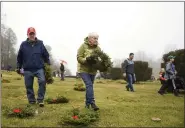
{"type": "Point", "coordinates": [32, 33]}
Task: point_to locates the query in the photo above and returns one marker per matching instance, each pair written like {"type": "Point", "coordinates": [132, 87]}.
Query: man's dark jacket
{"type": "Point", "coordinates": [32, 56]}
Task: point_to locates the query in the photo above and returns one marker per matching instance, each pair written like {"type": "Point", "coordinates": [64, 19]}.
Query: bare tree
{"type": "Point", "coordinates": [8, 42]}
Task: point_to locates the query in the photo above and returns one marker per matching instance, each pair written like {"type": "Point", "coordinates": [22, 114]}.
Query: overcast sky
{"type": "Point", "coordinates": [123, 27]}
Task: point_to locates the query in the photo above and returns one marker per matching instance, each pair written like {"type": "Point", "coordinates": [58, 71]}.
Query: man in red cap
{"type": "Point", "coordinates": [31, 57]}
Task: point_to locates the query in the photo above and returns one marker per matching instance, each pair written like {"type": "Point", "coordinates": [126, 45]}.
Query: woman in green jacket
{"type": "Point", "coordinates": [85, 69]}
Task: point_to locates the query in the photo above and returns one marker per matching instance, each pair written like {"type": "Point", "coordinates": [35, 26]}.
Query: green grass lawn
{"type": "Point", "coordinates": [117, 106]}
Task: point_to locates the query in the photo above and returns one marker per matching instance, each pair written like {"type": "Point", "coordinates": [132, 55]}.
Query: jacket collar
{"type": "Point", "coordinates": [36, 39]}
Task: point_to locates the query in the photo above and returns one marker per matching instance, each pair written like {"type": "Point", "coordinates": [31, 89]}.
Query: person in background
{"type": "Point", "coordinates": [62, 70]}
{"type": "Point", "coordinates": [170, 74]}
{"type": "Point", "coordinates": [31, 57]}
{"type": "Point", "coordinates": [128, 72]}
{"type": "Point", "coordinates": [85, 70]}
{"type": "Point", "coordinates": [163, 81]}
{"type": "Point", "coordinates": [54, 74]}
{"type": "Point", "coordinates": [58, 73]}
{"type": "Point", "coordinates": [98, 75]}
{"type": "Point", "coordinates": [77, 75]}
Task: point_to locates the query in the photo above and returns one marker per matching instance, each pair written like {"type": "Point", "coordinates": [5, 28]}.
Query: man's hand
{"type": "Point", "coordinates": [18, 71]}
{"type": "Point", "coordinates": [134, 77]}
{"type": "Point", "coordinates": [124, 74]}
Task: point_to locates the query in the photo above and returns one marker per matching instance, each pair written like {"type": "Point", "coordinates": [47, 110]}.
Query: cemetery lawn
{"type": "Point", "coordinates": [118, 107]}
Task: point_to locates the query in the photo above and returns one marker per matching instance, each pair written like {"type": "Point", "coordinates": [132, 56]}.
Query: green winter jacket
{"type": "Point", "coordinates": [84, 51]}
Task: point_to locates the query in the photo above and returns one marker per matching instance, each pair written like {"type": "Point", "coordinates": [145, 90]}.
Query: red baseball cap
{"type": "Point", "coordinates": [31, 29]}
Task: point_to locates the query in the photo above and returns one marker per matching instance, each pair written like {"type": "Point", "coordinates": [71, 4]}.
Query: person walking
{"type": "Point", "coordinates": [85, 69]}
{"type": "Point", "coordinates": [31, 57]}
{"type": "Point", "coordinates": [62, 70]}
{"type": "Point", "coordinates": [170, 74]}
{"type": "Point", "coordinates": [128, 72]}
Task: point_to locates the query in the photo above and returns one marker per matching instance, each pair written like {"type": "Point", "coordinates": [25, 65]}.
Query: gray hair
{"type": "Point", "coordinates": [93, 34]}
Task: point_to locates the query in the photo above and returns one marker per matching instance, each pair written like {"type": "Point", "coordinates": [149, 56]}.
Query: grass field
{"type": "Point", "coordinates": [117, 106]}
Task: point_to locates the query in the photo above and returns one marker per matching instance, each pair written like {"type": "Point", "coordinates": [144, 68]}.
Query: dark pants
{"type": "Point", "coordinates": [88, 80]}
{"type": "Point", "coordinates": [130, 81]}
{"type": "Point", "coordinates": [167, 84]}
{"type": "Point", "coordinates": [62, 75]}
{"type": "Point", "coordinates": [29, 79]}
{"type": "Point", "coordinates": [164, 86]}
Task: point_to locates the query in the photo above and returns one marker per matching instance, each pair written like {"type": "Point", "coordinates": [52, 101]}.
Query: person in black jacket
{"type": "Point", "coordinates": [31, 57]}
{"type": "Point", "coordinates": [128, 72]}
{"type": "Point", "coordinates": [62, 69]}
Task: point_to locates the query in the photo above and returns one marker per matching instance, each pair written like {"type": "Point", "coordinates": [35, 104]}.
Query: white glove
{"type": "Point", "coordinates": [134, 78]}
{"type": "Point", "coordinates": [124, 74]}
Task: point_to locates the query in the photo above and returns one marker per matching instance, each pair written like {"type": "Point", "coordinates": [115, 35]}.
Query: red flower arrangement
{"type": "Point", "coordinates": [17, 110]}
{"type": "Point", "coordinates": [75, 117]}
{"type": "Point", "coordinates": [79, 117]}
{"type": "Point", "coordinates": [21, 112]}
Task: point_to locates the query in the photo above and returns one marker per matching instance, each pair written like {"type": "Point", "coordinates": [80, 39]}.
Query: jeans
{"type": "Point", "coordinates": [88, 80]}
{"type": "Point", "coordinates": [29, 79]}
{"type": "Point", "coordinates": [130, 79]}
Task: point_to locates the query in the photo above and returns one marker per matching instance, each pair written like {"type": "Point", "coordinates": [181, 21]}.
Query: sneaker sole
{"type": "Point", "coordinates": [96, 109]}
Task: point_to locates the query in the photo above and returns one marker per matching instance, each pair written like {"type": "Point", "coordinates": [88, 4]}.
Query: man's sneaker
{"type": "Point", "coordinates": [127, 88]}
{"type": "Point", "coordinates": [94, 107]}
{"type": "Point", "coordinates": [161, 93]}
{"type": "Point", "coordinates": [41, 104]}
{"type": "Point", "coordinates": [32, 103]}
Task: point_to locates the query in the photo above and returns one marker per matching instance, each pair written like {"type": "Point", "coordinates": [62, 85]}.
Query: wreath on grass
{"type": "Point", "coordinates": [103, 61]}
{"type": "Point", "coordinates": [77, 117]}
{"type": "Point", "coordinates": [57, 100]}
{"type": "Point", "coordinates": [48, 74]}
{"type": "Point", "coordinates": [20, 112]}
{"type": "Point", "coordinates": [79, 87]}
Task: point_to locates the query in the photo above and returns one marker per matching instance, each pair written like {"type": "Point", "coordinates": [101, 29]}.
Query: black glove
{"type": "Point", "coordinates": [18, 71]}
{"type": "Point", "coordinates": [91, 60]}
